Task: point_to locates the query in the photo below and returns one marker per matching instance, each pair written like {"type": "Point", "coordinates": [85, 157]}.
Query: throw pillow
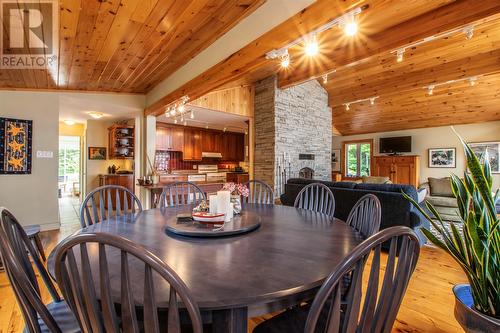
{"type": "Point", "coordinates": [376, 180]}
{"type": "Point", "coordinates": [440, 187]}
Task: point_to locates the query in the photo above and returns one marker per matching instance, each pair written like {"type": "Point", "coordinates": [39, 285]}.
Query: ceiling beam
{"type": "Point", "coordinates": [479, 64]}
{"type": "Point", "coordinates": [252, 56]}
{"type": "Point", "coordinates": [445, 18]}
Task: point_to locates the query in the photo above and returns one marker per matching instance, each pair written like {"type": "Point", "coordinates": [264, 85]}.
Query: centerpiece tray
{"type": "Point", "coordinates": [240, 224]}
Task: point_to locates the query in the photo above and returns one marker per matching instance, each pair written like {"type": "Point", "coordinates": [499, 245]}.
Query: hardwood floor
{"type": "Point", "coordinates": [427, 306]}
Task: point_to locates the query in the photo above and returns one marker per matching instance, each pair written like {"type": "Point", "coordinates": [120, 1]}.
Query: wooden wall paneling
{"type": "Point", "coordinates": [238, 100]}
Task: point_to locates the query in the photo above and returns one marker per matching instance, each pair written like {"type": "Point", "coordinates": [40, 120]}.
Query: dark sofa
{"type": "Point", "coordinates": [396, 210]}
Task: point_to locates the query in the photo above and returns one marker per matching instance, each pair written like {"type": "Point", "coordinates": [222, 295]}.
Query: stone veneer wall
{"type": "Point", "coordinates": [294, 121]}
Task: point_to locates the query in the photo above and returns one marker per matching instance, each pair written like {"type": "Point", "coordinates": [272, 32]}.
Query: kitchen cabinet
{"type": "Point", "coordinates": [211, 141]}
{"type": "Point", "coordinates": [125, 180]}
{"type": "Point", "coordinates": [233, 146]}
{"type": "Point", "coordinates": [169, 138]}
{"type": "Point", "coordinates": [399, 169]}
{"type": "Point", "coordinates": [192, 144]}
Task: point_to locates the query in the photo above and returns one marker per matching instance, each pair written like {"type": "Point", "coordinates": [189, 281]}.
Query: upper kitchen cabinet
{"type": "Point", "coordinates": [211, 141]}
{"type": "Point", "coordinates": [192, 144]}
{"type": "Point", "coordinates": [121, 142]}
{"type": "Point", "coordinates": [233, 146]}
{"type": "Point", "coordinates": [169, 138]}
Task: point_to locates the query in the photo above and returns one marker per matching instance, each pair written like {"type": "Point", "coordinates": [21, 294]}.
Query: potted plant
{"type": "Point", "coordinates": [237, 191]}
{"type": "Point", "coordinates": [476, 248]}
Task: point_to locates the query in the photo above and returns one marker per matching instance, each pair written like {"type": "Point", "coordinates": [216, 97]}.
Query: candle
{"type": "Point", "coordinates": [230, 212]}
{"type": "Point", "coordinates": [212, 204]}
{"type": "Point", "coordinates": [223, 201]}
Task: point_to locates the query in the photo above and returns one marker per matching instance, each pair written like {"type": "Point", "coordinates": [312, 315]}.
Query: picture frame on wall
{"type": "Point", "coordinates": [442, 157]}
{"type": "Point", "coordinates": [493, 149]}
{"type": "Point", "coordinates": [97, 153]}
{"type": "Point", "coordinates": [336, 160]}
{"type": "Point", "coordinates": [16, 146]}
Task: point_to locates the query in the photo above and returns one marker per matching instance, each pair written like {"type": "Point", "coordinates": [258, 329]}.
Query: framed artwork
{"type": "Point", "coordinates": [97, 153]}
{"type": "Point", "coordinates": [442, 158]}
{"type": "Point", "coordinates": [493, 149]}
{"type": "Point", "coordinates": [16, 136]}
{"type": "Point", "coordinates": [335, 159]}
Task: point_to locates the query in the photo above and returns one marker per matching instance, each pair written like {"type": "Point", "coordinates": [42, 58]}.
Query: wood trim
{"type": "Point", "coordinates": [343, 160]}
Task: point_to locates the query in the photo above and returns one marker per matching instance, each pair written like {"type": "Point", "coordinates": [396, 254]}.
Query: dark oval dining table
{"type": "Point", "coordinates": [280, 264]}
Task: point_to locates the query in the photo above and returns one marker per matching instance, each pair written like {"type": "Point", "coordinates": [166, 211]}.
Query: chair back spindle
{"type": "Point", "coordinates": [365, 216]}
{"type": "Point", "coordinates": [376, 310]}
{"type": "Point", "coordinates": [316, 197]}
{"type": "Point", "coordinates": [181, 194]}
{"type": "Point", "coordinates": [96, 309]}
{"type": "Point", "coordinates": [107, 202]}
{"type": "Point", "coordinates": [259, 192]}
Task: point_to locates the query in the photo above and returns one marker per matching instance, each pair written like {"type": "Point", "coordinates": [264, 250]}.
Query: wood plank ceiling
{"type": "Point", "coordinates": [129, 45]}
{"type": "Point", "coordinates": [365, 67]}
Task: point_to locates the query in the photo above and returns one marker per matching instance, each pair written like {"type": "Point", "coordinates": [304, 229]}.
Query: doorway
{"type": "Point", "coordinates": [69, 181]}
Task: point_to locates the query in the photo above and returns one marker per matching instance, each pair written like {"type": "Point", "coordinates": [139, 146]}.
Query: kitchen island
{"type": "Point", "coordinates": [155, 190]}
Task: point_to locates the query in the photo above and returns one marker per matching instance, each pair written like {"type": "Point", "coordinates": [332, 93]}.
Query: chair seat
{"type": "Point", "coordinates": [63, 316]}
{"type": "Point", "coordinates": [32, 230]}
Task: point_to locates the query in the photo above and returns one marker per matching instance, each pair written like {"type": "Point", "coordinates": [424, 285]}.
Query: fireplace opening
{"type": "Point", "coordinates": [306, 173]}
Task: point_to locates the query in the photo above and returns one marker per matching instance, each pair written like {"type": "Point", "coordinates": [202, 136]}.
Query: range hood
{"type": "Point", "coordinates": [210, 155]}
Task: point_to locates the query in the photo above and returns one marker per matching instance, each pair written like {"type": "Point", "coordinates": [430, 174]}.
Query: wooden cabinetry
{"type": "Point", "coordinates": [121, 142]}
{"type": "Point", "coordinates": [169, 138]}
{"type": "Point", "coordinates": [233, 146]}
{"type": "Point", "coordinates": [126, 181]}
{"type": "Point", "coordinates": [211, 141]}
{"type": "Point", "coordinates": [192, 144]}
{"type": "Point", "coordinates": [237, 177]}
{"type": "Point", "coordinates": [400, 169]}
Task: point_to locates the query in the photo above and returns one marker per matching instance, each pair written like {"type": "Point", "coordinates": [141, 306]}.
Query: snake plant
{"type": "Point", "coordinates": [477, 247]}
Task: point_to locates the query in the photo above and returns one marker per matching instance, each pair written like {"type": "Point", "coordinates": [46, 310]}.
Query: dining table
{"type": "Point", "coordinates": [280, 264]}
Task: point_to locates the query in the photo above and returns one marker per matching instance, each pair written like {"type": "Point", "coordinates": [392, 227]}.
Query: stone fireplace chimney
{"type": "Point", "coordinates": [291, 122]}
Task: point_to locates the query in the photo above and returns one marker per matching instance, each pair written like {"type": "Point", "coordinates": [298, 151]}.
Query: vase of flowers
{"type": "Point", "coordinates": [237, 191]}
{"type": "Point", "coordinates": [476, 248]}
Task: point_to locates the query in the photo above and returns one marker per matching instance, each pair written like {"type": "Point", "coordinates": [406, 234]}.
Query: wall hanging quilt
{"type": "Point", "coordinates": [15, 146]}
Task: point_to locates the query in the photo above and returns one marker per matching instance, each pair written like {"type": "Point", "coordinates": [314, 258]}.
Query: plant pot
{"type": "Point", "coordinates": [471, 320]}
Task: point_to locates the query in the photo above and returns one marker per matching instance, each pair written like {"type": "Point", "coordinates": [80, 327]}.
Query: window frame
{"type": "Point", "coordinates": [344, 159]}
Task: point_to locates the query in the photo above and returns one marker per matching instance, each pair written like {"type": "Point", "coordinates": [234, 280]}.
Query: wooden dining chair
{"type": "Point", "coordinates": [96, 308]}
{"type": "Point", "coordinates": [259, 192]}
{"type": "Point", "coordinates": [181, 194]}
{"type": "Point", "coordinates": [33, 233]}
{"type": "Point", "coordinates": [15, 250]}
{"type": "Point", "coordinates": [365, 216]}
{"type": "Point", "coordinates": [373, 311]}
{"type": "Point", "coordinates": [108, 202]}
{"type": "Point", "coordinates": [316, 197]}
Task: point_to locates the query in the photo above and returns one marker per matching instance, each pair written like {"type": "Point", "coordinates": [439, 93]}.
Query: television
{"type": "Point", "coordinates": [395, 145]}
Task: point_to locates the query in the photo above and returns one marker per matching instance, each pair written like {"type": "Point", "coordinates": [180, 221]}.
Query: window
{"type": "Point", "coordinates": [358, 157]}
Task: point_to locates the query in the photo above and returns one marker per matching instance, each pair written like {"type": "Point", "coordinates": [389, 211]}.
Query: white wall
{"type": "Point", "coordinates": [437, 137]}
{"type": "Point", "coordinates": [33, 198]}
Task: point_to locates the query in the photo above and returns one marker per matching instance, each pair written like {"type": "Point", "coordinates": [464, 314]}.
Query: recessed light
{"type": "Point", "coordinates": [69, 122]}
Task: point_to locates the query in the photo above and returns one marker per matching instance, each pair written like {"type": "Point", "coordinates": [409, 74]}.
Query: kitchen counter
{"type": "Point", "coordinates": [162, 184]}
{"type": "Point", "coordinates": [117, 175]}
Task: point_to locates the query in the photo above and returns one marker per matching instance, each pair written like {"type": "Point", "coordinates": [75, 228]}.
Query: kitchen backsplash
{"type": "Point", "coordinates": [174, 158]}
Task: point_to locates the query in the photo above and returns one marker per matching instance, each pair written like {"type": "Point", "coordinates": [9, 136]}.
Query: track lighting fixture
{"type": "Point", "coordinates": [371, 99]}
{"type": "Point", "coordinates": [191, 115]}
{"type": "Point", "coordinates": [175, 121]}
{"type": "Point", "coordinates": [325, 78]}
{"type": "Point", "coordinates": [311, 47]}
{"type": "Point", "coordinates": [467, 30]}
{"type": "Point", "coordinates": [472, 81]}
{"type": "Point", "coordinates": [225, 129]}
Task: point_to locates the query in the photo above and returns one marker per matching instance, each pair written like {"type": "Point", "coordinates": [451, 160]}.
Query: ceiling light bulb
{"type": "Point", "coordinates": [311, 47]}
{"type": "Point", "coordinates": [400, 55]}
{"type": "Point", "coordinates": [246, 132]}
{"type": "Point", "coordinates": [225, 129]}
{"type": "Point", "coordinates": [372, 101]}
{"type": "Point", "coordinates": [69, 122]}
{"type": "Point", "coordinates": [285, 60]}
{"type": "Point", "coordinates": [351, 27]}
{"type": "Point", "coordinates": [181, 108]}
{"type": "Point", "coordinates": [185, 123]}
{"type": "Point", "coordinates": [167, 114]}
{"type": "Point", "coordinates": [172, 112]}
{"type": "Point", "coordinates": [347, 107]}
{"type": "Point", "coordinates": [325, 79]}
{"type": "Point", "coordinates": [431, 90]}
{"type": "Point", "coordinates": [175, 121]}
{"type": "Point", "coordinates": [95, 115]}
{"type": "Point", "coordinates": [472, 81]}
{"type": "Point", "coordinates": [206, 126]}
{"type": "Point", "coordinates": [469, 32]}
{"type": "Point", "coordinates": [191, 115]}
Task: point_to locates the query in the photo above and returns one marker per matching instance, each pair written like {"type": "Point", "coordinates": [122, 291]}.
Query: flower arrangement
{"type": "Point", "coordinates": [236, 189]}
